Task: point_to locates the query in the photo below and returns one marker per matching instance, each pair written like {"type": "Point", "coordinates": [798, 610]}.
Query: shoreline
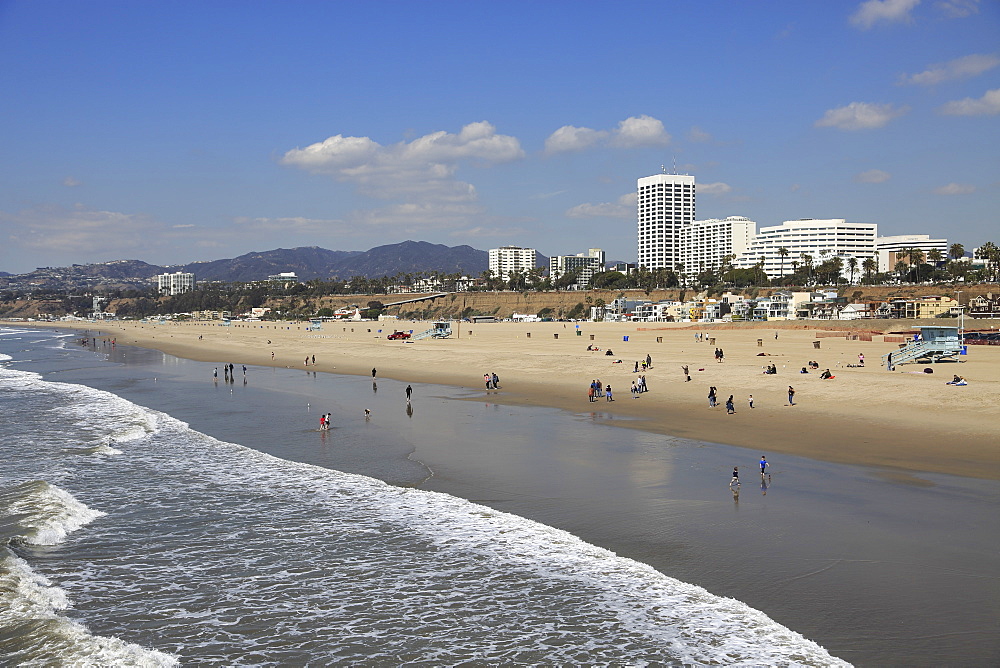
{"type": "Point", "coordinates": [905, 421]}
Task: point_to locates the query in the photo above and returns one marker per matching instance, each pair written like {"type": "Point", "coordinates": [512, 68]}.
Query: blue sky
{"type": "Point", "coordinates": [179, 131]}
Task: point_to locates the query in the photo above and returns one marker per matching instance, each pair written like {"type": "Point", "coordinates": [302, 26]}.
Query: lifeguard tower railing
{"type": "Point", "coordinates": [934, 344]}
{"type": "Point", "coordinates": [440, 330]}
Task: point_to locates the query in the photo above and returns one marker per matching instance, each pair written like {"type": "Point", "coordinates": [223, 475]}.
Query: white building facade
{"type": "Point", "coordinates": [507, 260]}
{"type": "Point", "coordinates": [584, 265]}
{"type": "Point", "coordinates": [665, 207]}
{"type": "Point", "coordinates": [890, 249]}
{"type": "Point", "coordinates": [175, 284]}
{"type": "Point", "coordinates": [821, 240]}
{"type": "Point", "coordinates": [706, 243]}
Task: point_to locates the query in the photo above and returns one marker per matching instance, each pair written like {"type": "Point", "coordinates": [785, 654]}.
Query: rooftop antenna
{"type": "Point", "coordinates": [663, 169]}
{"type": "Point", "coordinates": [675, 164]}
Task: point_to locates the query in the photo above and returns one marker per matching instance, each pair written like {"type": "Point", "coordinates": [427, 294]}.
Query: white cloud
{"type": "Point", "coordinates": [860, 116]}
{"type": "Point", "coordinates": [717, 188]}
{"type": "Point", "coordinates": [71, 182]}
{"type": "Point", "coordinates": [79, 230]}
{"type": "Point", "coordinates": [696, 134]}
{"type": "Point", "coordinates": [570, 138]}
{"type": "Point", "coordinates": [987, 105]}
{"type": "Point", "coordinates": [419, 171]}
{"type": "Point", "coordinates": [492, 232]}
{"type": "Point", "coordinates": [633, 132]}
{"type": "Point", "coordinates": [871, 12]}
{"type": "Point", "coordinates": [955, 189]}
{"type": "Point", "coordinates": [872, 176]}
{"type": "Point", "coordinates": [958, 9]}
{"type": "Point", "coordinates": [624, 207]}
{"type": "Point", "coordinates": [959, 68]}
{"type": "Point", "coordinates": [638, 131]}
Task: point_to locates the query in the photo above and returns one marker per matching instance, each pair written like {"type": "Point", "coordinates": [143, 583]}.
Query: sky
{"type": "Point", "coordinates": [180, 131]}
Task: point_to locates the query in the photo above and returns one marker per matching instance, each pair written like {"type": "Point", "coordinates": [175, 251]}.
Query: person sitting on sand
{"type": "Point", "coordinates": [804, 370]}
{"type": "Point", "coordinates": [608, 353]}
{"type": "Point", "coordinates": [825, 375]}
{"type": "Point", "coordinates": [957, 380]}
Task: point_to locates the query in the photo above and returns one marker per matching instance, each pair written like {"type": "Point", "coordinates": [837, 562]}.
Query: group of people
{"type": "Point", "coordinates": [639, 386]}
{"type": "Point", "coordinates": [720, 355]}
{"type": "Point", "coordinates": [736, 472]}
{"type": "Point", "coordinates": [324, 421]}
{"type": "Point", "coordinates": [645, 364]}
{"type": "Point", "coordinates": [598, 390]}
{"type": "Point", "coordinates": [230, 373]}
{"type": "Point", "coordinates": [492, 381]}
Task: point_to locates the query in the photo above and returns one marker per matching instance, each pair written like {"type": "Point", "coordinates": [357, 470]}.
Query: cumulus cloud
{"type": "Point", "coordinates": [633, 132]}
{"type": "Point", "coordinates": [623, 207]}
{"type": "Point", "coordinates": [422, 170]}
{"type": "Point", "coordinates": [955, 189]}
{"type": "Point", "coordinates": [569, 138]}
{"type": "Point", "coordinates": [987, 105]}
{"type": "Point", "coordinates": [872, 176]}
{"type": "Point", "coordinates": [959, 68]}
{"type": "Point", "coordinates": [71, 182]}
{"type": "Point", "coordinates": [79, 230]}
{"type": "Point", "coordinates": [717, 188]}
{"type": "Point", "coordinates": [872, 12]}
{"type": "Point", "coordinates": [639, 131]}
{"type": "Point", "coordinates": [958, 9]}
{"type": "Point", "coordinates": [860, 116]}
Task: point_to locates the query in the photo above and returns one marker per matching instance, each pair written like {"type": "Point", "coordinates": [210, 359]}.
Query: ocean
{"type": "Point", "coordinates": [242, 535]}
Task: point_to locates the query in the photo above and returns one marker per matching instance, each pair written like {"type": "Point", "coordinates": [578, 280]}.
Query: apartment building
{"type": "Point", "coordinates": [507, 260]}
{"type": "Point", "coordinates": [175, 284]}
{"type": "Point", "coordinates": [820, 239]}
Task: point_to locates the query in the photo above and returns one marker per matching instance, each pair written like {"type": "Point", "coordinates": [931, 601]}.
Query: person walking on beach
{"type": "Point", "coordinates": [607, 393]}
{"type": "Point", "coordinates": [763, 464]}
{"type": "Point", "coordinates": [687, 374]}
{"type": "Point", "coordinates": [791, 395]}
{"type": "Point", "coordinates": [373, 373]}
{"type": "Point", "coordinates": [730, 408]}
{"type": "Point", "coordinates": [750, 400]}
{"type": "Point", "coordinates": [711, 397]}
{"type": "Point", "coordinates": [409, 391]}
{"type": "Point", "coordinates": [215, 373]}
{"type": "Point", "coordinates": [322, 422]}
{"type": "Point", "coordinates": [649, 362]}
{"type": "Point", "coordinates": [496, 381]}
{"type": "Point", "coordinates": [736, 476]}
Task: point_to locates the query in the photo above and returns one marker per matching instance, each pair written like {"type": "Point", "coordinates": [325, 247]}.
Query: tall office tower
{"type": "Point", "coordinates": [665, 209]}
{"type": "Point", "coordinates": [510, 259]}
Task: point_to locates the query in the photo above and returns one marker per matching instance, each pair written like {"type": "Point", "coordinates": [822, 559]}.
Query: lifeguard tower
{"type": "Point", "coordinates": [440, 330]}
{"type": "Point", "coordinates": [934, 344]}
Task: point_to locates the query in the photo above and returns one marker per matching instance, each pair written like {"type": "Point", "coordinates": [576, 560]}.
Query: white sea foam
{"type": "Point", "coordinates": [44, 512]}
{"type": "Point", "coordinates": [37, 634]}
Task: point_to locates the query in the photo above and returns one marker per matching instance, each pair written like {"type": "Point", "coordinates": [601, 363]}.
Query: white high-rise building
{"type": "Point", "coordinates": [821, 240]}
{"type": "Point", "coordinates": [176, 283]}
{"type": "Point", "coordinates": [506, 260]}
{"type": "Point", "coordinates": [585, 265]}
{"type": "Point", "coordinates": [665, 208]}
{"type": "Point", "coordinates": [890, 248]}
{"type": "Point", "coordinates": [705, 243]}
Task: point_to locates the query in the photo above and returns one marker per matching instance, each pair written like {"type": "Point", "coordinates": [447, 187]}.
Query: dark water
{"type": "Point", "coordinates": [247, 559]}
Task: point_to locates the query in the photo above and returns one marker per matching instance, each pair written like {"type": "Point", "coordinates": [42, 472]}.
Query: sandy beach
{"type": "Point", "coordinates": [905, 420]}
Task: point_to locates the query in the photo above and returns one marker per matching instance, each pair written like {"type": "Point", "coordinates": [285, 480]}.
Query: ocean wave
{"type": "Point", "coordinates": [38, 513]}
{"type": "Point", "coordinates": [34, 633]}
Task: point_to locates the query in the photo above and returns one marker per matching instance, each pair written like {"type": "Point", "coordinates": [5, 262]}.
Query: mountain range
{"type": "Point", "coordinates": [306, 262]}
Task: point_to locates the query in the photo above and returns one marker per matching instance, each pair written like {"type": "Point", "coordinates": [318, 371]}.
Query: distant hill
{"type": "Point", "coordinates": [307, 262]}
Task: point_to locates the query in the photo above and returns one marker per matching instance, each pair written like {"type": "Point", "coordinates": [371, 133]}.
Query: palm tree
{"type": "Point", "coordinates": [916, 257]}
{"type": "Point", "coordinates": [901, 269]}
{"type": "Point", "coordinates": [807, 262]}
{"type": "Point", "coordinates": [991, 253]}
{"type": "Point", "coordinates": [852, 266]}
{"type": "Point", "coordinates": [869, 266]}
{"type": "Point", "coordinates": [782, 253]}
{"type": "Point", "coordinates": [956, 251]}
